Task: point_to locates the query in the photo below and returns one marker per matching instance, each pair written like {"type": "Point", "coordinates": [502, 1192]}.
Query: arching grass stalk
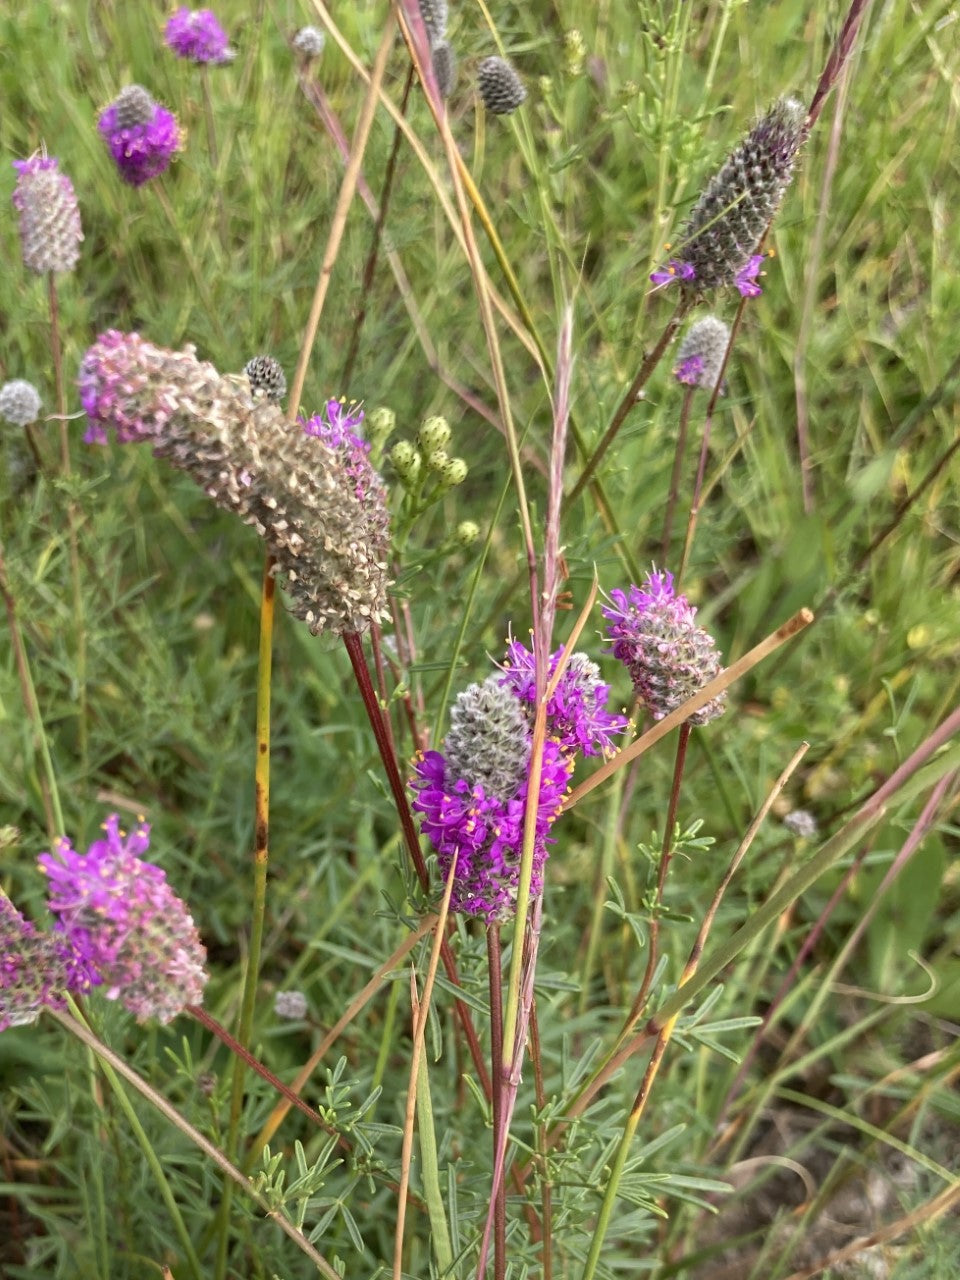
{"type": "Point", "coordinates": [667, 1027]}
{"type": "Point", "coordinates": [116, 1064]}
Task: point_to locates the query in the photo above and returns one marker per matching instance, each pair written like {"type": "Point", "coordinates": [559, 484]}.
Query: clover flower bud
{"type": "Point", "coordinates": [126, 922]}
{"type": "Point", "coordinates": [433, 435]}
{"type": "Point", "coordinates": [452, 472]}
{"type": "Point", "coordinates": [50, 230]}
{"type": "Point", "coordinates": [266, 375]}
{"type": "Point", "coordinates": [197, 35]}
{"type": "Point", "coordinates": [290, 1005]}
{"type": "Point", "coordinates": [19, 402]}
{"type": "Point", "coordinates": [467, 532]}
{"type": "Point", "coordinates": [444, 66]}
{"type": "Point", "coordinates": [668, 656]}
{"type": "Point", "coordinates": [499, 86]}
{"type": "Point", "coordinates": [142, 136]}
{"type": "Point", "coordinates": [406, 462]}
{"type": "Point", "coordinates": [435, 15]}
{"type": "Point", "coordinates": [720, 236]}
{"type": "Point", "coordinates": [310, 42]}
{"type": "Point", "coordinates": [701, 353]}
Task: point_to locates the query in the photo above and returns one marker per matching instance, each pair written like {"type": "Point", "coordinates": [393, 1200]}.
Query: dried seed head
{"type": "Point", "coordinates": [19, 402]}
{"type": "Point", "coordinates": [266, 375]}
{"type": "Point", "coordinates": [50, 231]}
{"type": "Point", "coordinates": [308, 489]}
{"type": "Point", "coordinates": [444, 67]}
{"type": "Point", "coordinates": [701, 353]}
{"type": "Point", "coordinates": [500, 87]}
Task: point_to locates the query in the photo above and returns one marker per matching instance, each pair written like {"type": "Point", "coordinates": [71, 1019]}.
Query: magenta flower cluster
{"type": "Point", "coordinates": [472, 795]}
{"type": "Point", "coordinates": [196, 34]}
{"type": "Point", "coordinates": [142, 136]}
{"type": "Point", "coordinates": [118, 925]}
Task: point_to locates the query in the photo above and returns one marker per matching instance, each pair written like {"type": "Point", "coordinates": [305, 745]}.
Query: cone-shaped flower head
{"type": "Point", "coordinates": [50, 231]}
{"type": "Point", "coordinates": [308, 489]}
{"type": "Point", "coordinates": [489, 739]}
{"type": "Point", "coordinates": [266, 375]}
{"type": "Point", "coordinates": [142, 135]}
{"type": "Point", "coordinates": [434, 14]}
{"type": "Point", "coordinates": [701, 352]}
{"type": "Point", "coordinates": [310, 42]}
{"type": "Point", "coordinates": [499, 86]}
{"type": "Point", "coordinates": [124, 919]}
{"type": "Point", "coordinates": [577, 714]}
{"type": "Point", "coordinates": [36, 969]}
{"type": "Point", "coordinates": [716, 246]}
{"type": "Point", "coordinates": [19, 402]}
{"type": "Point", "coordinates": [444, 67]}
{"type": "Point", "coordinates": [196, 34]}
{"type": "Point", "coordinates": [668, 656]}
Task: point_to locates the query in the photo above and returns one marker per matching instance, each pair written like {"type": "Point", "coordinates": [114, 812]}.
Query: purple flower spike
{"type": "Point", "coordinates": [196, 34]}
{"type": "Point", "coordinates": [746, 277]}
{"type": "Point", "coordinates": [142, 136]}
{"type": "Point", "coordinates": [669, 657]}
{"type": "Point", "coordinates": [124, 920]}
{"type": "Point", "coordinates": [50, 230]}
{"type": "Point", "coordinates": [577, 714]}
{"type": "Point", "coordinates": [36, 969]}
{"type": "Point", "coordinates": [674, 271]}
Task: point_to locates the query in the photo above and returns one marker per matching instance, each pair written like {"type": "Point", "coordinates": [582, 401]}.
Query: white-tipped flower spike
{"type": "Point", "coordinates": [499, 86]}
{"type": "Point", "coordinates": [434, 14]}
{"type": "Point", "coordinates": [717, 245]}
{"type": "Point", "coordinates": [50, 231]}
{"type": "Point", "coordinates": [444, 67]}
{"type": "Point", "coordinates": [266, 375]}
{"type": "Point", "coordinates": [489, 738]}
{"type": "Point", "coordinates": [19, 402]}
{"type": "Point", "coordinates": [701, 352]}
{"type": "Point", "coordinates": [310, 42]}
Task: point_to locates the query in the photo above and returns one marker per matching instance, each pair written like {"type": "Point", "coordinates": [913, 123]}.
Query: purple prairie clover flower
{"type": "Point", "coordinates": [123, 918]}
{"type": "Point", "coordinates": [311, 494]}
{"type": "Point", "coordinates": [37, 969]}
{"type": "Point", "coordinates": [50, 230]}
{"type": "Point", "coordinates": [668, 656]}
{"type": "Point", "coordinates": [701, 353]}
{"type": "Point", "coordinates": [196, 34]}
{"type": "Point", "coordinates": [483, 835]}
{"type": "Point", "coordinates": [577, 714]}
{"type": "Point", "coordinates": [141, 135]}
{"type": "Point", "coordinates": [720, 237]}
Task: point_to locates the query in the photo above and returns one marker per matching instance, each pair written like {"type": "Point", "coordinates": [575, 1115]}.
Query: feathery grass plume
{"type": "Point", "coordinates": [434, 14]}
{"type": "Point", "coordinates": [142, 136]}
{"type": "Point", "coordinates": [19, 402]}
{"type": "Point", "coordinates": [310, 42]}
{"type": "Point", "coordinates": [290, 1005]}
{"type": "Point", "coordinates": [266, 375]}
{"type": "Point", "coordinates": [668, 656]}
{"type": "Point", "coordinates": [37, 969]}
{"type": "Point", "coordinates": [444, 66]}
{"type": "Point", "coordinates": [717, 243]}
{"type": "Point", "coordinates": [50, 230]}
{"type": "Point", "coordinates": [701, 353]}
{"type": "Point", "coordinates": [196, 34]}
{"type": "Point", "coordinates": [123, 918]}
{"type": "Point", "coordinates": [499, 86]}
{"type": "Point", "coordinates": [308, 489]}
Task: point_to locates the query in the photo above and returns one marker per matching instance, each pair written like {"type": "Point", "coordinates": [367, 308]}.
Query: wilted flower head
{"type": "Point", "coordinates": [577, 714]}
{"type": "Point", "coordinates": [19, 402]}
{"type": "Point", "coordinates": [120, 914]}
{"type": "Point", "coordinates": [291, 1005]}
{"type": "Point", "coordinates": [668, 656]}
{"type": "Point", "coordinates": [196, 34]}
{"type": "Point", "coordinates": [499, 86]}
{"type": "Point", "coordinates": [36, 969]}
{"type": "Point", "coordinates": [142, 136]}
{"type": "Point", "coordinates": [266, 375]}
{"type": "Point", "coordinates": [310, 42]}
{"type": "Point", "coordinates": [308, 489]}
{"type": "Point", "coordinates": [716, 246]}
{"type": "Point", "coordinates": [701, 353]}
{"type": "Point", "coordinates": [50, 231]}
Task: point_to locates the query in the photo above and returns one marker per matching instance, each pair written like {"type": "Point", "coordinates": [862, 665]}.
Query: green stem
{"type": "Point", "coordinates": [430, 1169]}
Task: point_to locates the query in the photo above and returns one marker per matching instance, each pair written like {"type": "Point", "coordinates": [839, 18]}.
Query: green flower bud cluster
{"type": "Point", "coordinates": [416, 463]}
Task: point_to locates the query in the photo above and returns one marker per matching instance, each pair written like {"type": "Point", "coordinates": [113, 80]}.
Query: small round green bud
{"type": "Point", "coordinates": [380, 422]}
{"type": "Point", "coordinates": [436, 460]}
{"type": "Point", "coordinates": [454, 472]}
{"type": "Point", "coordinates": [406, 461]}
{"type": "Point", "coordinates": [433, 435]}
{"type": "Point", "coordinates": [467, 533]}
